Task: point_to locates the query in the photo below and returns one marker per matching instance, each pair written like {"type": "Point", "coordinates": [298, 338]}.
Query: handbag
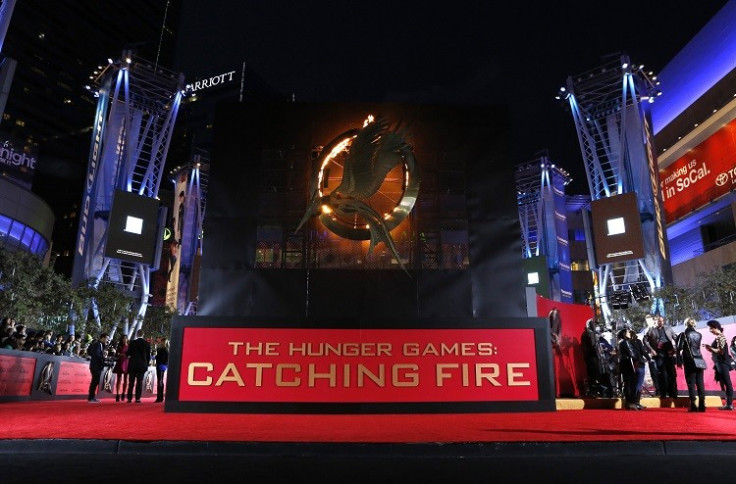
{"type": "Point", "coordinates": [699, 362]}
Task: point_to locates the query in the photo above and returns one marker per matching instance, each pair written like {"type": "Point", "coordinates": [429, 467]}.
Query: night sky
{"type": "Point", "coordinates": [468, 52]}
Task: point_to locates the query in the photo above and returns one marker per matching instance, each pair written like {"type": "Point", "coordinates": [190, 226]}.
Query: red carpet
{"type": "Point", "coordinates": [75, 419]}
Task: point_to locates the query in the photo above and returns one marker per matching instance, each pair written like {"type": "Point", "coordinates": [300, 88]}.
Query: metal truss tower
{"type": "Point", "coordinates": [540, 186]}
{"type": "Point", "coordinates": [610, 108]}
{"type": "Point", "coordinates": [136, 110]}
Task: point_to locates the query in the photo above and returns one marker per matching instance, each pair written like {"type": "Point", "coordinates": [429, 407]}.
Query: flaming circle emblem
{"type": "Point", "coordinates": [365, 185]}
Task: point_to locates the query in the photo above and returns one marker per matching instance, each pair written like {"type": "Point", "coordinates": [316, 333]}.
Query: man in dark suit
{"type": "Point", "coordinates": [139, 355]}
{"type": "Point", "coordinates": [97, 354]}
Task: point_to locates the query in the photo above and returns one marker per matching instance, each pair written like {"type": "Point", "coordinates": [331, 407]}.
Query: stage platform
{"type": "Point", "coordinates": [711, 401]}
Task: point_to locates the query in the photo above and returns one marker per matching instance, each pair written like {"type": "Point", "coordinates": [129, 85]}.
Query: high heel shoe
{"type": "Point", "coordinates": [117, 398]}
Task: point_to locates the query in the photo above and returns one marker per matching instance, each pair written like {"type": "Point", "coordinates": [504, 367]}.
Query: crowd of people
{"type": "Point", "coordinates": [620, 368]}
{"type": "Point", "coordinates": [16, 336]}
{"type": "Point", "coordinates": [129, 360]}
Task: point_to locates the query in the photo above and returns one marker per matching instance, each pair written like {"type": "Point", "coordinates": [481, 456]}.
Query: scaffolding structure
{"type": "Point", "coordinates": [610, 107]}
{"type": "Point", "coordinates": [136, 110]}
{"type": "Point", "coordinates": [540, 186]}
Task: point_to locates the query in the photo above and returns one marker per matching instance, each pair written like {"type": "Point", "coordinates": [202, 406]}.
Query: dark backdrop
{"type": "Point", "coordinates": [231, 284]}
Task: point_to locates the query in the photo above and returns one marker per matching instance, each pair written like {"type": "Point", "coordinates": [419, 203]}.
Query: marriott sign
{"type": "Point", "coordinates": [211, 81]}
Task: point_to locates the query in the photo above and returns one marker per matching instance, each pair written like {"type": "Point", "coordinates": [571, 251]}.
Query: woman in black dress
{"type": "Point", "coordinates": [722, 360]}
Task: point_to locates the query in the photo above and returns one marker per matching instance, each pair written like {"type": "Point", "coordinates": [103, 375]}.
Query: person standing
{"type": "Point", "coordinates": [162, 364]}
{"type": "Point", "coordinates": [631, 364]}
{"type": "Point", "coordinates": [139, 355]}
{"type": "Point", "coordinates": [661, 339]}
{"type": "Point", "coordinates": [121, 368]}
{"type": "Point", "coordinates": [97, 353]}
{"type": "Point", "coordinates": [689, 356]}
{"type": "Point", "coordinates": [644, 360]}
{"type": "Point", "coordinates": [722, 360]}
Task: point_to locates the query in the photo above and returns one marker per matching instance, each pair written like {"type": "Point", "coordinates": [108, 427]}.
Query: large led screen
{"type": "Point", "coordinates": [617, 229]}
{"type": "Point", "coordinates": [133, 228]}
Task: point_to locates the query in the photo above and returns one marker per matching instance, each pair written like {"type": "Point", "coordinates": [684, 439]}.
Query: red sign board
{"type": "Point", "coordinates": [705, 173]}
{"type": "Point", "coordinates": [74, 378]}
{"type": "Point", "coordinates": [16, 375]}
{"type": "Point", "coordinates": [357, 365]}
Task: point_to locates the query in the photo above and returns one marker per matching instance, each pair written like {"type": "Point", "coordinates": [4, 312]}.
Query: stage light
{"type": "Point", "coordinates": [128, 60]}
{"type": "Point", "coordinates": [109, 61]}
{"type": "Point", "coordinates": [625, 65]}
{"type": "Point", "coordinates": [619, 299]}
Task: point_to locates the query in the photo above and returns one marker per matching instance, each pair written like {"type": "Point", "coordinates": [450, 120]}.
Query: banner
{"type": "Point", "coordinates": [16, 375]}
{"type": "Point", "coordinates": [704, 174]}
{"type": "Point", "coordinates": [74, 378]}
{"type": "Point", "coordinates": [173, 254]}
{"type": "Point", "coordinates": [225, 364]}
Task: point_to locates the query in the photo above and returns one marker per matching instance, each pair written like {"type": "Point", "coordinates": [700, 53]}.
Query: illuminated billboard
{"type": "Point", "coordinates": [17, 160]}
{"type": "Point", "coordinates": [617, 229]}
{"type": "Point", "coordinates": [234, 365]}
{"type": "Point", "coordinates": [702, 175]}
